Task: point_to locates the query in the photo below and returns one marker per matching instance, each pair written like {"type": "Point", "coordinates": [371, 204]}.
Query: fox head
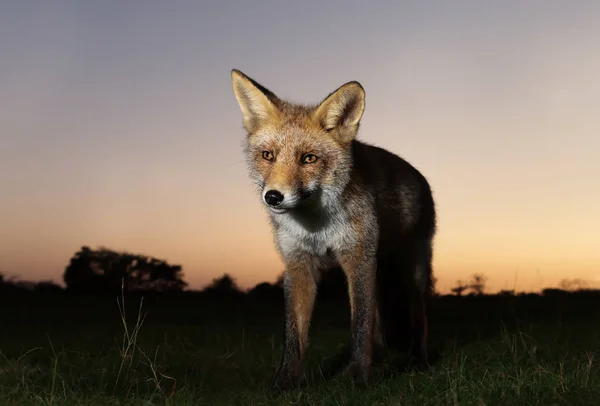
{"type": "Point", "coordinates": [298, 153]}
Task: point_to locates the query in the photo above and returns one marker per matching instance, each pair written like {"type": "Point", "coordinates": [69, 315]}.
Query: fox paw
{"type": "Point", "coordinates": [286, 379]}
{"type": "Point", "coordinates": [358, 374]}
{"type": "Point", "coordinates": [418, 363]}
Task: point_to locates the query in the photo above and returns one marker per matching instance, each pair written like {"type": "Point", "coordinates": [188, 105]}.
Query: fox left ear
{"type": "Point", "coordinates": [341, 111]}
{"type": "Point", "coordinates": [256, 102]}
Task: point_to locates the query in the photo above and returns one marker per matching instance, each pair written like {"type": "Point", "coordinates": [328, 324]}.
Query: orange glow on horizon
{"type": "Point", "coordinates": [126, 134]}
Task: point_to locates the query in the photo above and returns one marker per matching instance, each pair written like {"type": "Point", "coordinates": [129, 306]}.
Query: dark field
{"type": "Point", "coordinates": [192, 349]}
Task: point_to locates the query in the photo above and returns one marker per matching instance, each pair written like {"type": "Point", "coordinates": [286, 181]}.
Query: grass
{"type": "Point", "coordinates": [190, 350]}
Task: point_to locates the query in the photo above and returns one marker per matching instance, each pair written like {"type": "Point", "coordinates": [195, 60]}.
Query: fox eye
{"type": "Point", "coordinates": [309, 158]}
{"type": "Point", "coordinates": [268, 155]}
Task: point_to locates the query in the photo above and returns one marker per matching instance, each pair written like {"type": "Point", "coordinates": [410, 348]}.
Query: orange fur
{"type": "Point", "coordinates": [336, 201]}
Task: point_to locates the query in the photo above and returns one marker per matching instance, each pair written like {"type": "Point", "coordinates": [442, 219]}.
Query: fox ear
{"type": "Point", "coordinates": [256, 102]}
{"type": "Point", "coordinates": [341, 111]}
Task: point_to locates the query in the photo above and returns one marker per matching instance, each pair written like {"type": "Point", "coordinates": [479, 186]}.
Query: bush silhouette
{"type": "Point", "coordinates": [105, 270]}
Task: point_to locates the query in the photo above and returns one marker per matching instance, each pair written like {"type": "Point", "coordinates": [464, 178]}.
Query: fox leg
{"type": "Point", "coordinates": [361, 276]}
{"type": "Point", "coordinates": [379, 346]}
{"type": "Point", "coordinates": [300, 289]}
{"type": "Point", "coordinates": [419, 315]}
{"type": "Point", "coordinates": [419, 327]}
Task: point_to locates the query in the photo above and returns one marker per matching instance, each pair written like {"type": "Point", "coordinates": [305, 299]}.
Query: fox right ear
{"type": "Point", "coordinates": [256, 102]}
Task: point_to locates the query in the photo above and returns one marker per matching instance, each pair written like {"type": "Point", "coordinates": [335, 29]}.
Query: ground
{"type": "Point", "coordinates": [191, 350]}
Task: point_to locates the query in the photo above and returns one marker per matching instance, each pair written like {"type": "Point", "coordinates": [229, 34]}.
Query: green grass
{"type": "Point", "coordinates": [194, 351]}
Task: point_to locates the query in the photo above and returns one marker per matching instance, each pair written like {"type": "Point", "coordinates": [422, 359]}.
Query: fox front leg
{"type": "Point", "coordinates": [300, 289]}
{"type": "Point", "coordinates": [361, 275]}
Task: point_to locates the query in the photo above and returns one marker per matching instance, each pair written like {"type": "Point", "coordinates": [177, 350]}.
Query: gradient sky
{"type": "Point", "coordinates": [119, 127]}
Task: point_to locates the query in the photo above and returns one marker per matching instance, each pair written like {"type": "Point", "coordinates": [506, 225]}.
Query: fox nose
{"type": "Point", "coordinates": [273, 198]}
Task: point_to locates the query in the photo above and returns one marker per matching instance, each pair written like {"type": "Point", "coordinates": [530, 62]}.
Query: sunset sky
{"type": "Point", "coordinates": [119, 127]}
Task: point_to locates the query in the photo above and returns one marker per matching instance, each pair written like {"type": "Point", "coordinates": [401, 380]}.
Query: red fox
{"type": "Point", "coordinates": [336, 201]}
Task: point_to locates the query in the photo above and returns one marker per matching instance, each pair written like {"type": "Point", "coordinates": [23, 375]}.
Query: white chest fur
{"type": "Point", "coordinates": [314, 234]}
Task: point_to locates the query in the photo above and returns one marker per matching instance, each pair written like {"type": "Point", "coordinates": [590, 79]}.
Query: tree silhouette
{"type": "Point", "coordinates": [477, 284]}
{"type": "Point", "coordinates": [224, 287]}
{"type": "Point", "coordinates": [224, 283]}
{"type": "Point", "coordinates": [573, 284]}
{"type": "Point", "coordinates": [279, 280]}
{"type": "Point", "coordinates": [105, 270]}
{"type": "Point", "coordinates": [459, 289]}
{"type": "Point", "coordinates": [47, 287]}
{"type": "Point", "coordinates": [266, 292]}
{"type": "Point", "coordinates": [4, 280]}
{"type": "Point", "coordinates": [434, 291]}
